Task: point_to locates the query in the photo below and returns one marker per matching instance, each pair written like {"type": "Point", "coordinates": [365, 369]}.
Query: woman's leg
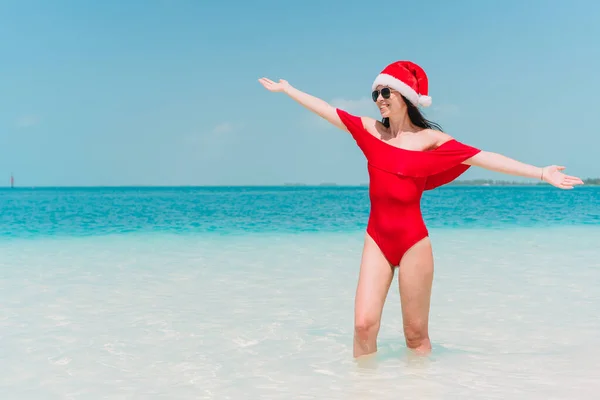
{"type": "Point", "coordinates": [415, 277]}
{"type": "Point", "coordinates": [374, 281]}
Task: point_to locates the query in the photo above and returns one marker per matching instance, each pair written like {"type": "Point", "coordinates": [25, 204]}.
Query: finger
{"type": "Point", "coordinates": [569, 185]}
{"type": "Point", "coordinates": [560, 168]}
{"type": "Point", "coordinates": [572, 180]}
{"type": "Point", "coordinates": [266, 82]}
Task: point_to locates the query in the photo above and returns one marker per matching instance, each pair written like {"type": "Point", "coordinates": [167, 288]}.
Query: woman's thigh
{"type": "Point", "coordinates": [415, 278]}
{"type": "Point", "coordinates": [375, 278]}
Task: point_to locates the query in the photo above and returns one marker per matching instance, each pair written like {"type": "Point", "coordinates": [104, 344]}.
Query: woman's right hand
{"type": "Point", "coordinates": [281, 86]}
{"type": "Point", "coordinates": [314, 104]}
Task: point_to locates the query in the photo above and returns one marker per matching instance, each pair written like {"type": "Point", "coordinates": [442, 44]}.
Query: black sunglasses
{"type": "Point", "coordinates": [385, 93]}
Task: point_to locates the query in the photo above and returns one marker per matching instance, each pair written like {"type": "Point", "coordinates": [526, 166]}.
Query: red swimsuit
{"type": "Point", "coordinates": [398, 178]}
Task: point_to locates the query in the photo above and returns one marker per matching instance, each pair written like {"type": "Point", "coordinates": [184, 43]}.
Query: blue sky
{"type": "Point", "coordinates": [166, 93]}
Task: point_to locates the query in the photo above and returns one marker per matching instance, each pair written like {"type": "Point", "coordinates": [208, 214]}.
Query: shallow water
{"type": "Point", "coordinates": [514, 315]}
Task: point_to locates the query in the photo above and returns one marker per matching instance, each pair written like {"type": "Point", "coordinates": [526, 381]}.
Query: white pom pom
{"type": "Point", "coordinates": [425, 101]}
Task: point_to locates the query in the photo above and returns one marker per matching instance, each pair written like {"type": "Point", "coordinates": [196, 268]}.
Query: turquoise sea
{"type": "Point", "coordinates": [248, 292]}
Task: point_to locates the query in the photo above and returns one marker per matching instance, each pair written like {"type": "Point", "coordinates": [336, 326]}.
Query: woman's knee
{"type": "Point", "coordinates": [366, 327]}
{"type": "Point", "coordinates": [416, 333]}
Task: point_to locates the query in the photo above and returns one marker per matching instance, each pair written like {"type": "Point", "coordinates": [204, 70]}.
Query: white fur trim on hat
{"type": "Point", "coordinates": [408, 92]}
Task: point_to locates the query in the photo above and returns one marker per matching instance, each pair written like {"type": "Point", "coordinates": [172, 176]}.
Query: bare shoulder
{"type": "Point", "coordinates": [437, 138]}
{"type": "Point", "coordinates": [372, 125]}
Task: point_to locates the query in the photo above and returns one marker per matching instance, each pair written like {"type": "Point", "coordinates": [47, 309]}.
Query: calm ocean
{"type": "Point", "coordinates": [248, 292]}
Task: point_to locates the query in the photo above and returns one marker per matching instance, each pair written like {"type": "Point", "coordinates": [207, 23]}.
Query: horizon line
{"type": "Point", "coordinates": [287, 185]}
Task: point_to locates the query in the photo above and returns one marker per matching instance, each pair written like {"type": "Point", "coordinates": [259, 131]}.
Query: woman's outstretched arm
{"type": "Point", "coordinates": [314, 104]}
{"type": "Point", "coordinates": [499, 163]}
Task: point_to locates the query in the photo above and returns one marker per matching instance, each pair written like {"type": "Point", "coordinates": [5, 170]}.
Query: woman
{"type": "Point", "coordinates": [406, 154]}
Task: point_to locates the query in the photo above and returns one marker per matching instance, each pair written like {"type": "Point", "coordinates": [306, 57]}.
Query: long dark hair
{"type": "Point", "coordinates": [415, 117]}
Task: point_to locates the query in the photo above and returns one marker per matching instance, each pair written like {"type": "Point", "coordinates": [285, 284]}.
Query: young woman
{"type": "Point", "coordinates": [406, 154]}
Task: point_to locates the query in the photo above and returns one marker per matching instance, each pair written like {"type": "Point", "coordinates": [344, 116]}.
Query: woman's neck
{"type": "Point", "coordinates": [401, 124]}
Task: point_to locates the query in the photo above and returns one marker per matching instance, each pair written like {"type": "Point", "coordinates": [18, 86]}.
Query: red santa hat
{"type": "Point", "coordinates": [407, 78]}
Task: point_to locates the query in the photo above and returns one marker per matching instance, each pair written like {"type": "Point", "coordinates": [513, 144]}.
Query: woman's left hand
{"type": "Point", "coordinates": [553, 176]}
